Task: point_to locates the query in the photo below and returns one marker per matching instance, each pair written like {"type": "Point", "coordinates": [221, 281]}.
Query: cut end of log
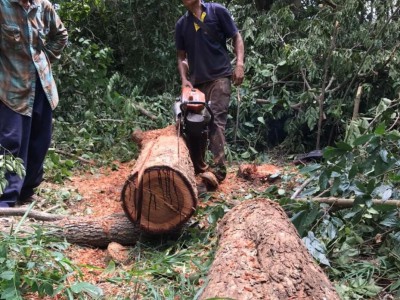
{"type": "Point", "coordinates": [161, 201]}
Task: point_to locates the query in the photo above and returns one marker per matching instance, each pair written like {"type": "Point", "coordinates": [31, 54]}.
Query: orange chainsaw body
{"type": "Point", "coordinates": [193, 95]}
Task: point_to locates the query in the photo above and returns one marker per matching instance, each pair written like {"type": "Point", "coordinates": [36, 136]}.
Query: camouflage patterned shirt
{"type": "Point", "coordinates": [29, 40]}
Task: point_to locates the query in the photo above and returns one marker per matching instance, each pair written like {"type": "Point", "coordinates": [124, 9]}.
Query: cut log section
{"type": "Point", "coordinates": [84, 231]}
{"type": "Point", "coordinates": [261, 256]}
{"type": "Point", "coordinates": [160, 195]}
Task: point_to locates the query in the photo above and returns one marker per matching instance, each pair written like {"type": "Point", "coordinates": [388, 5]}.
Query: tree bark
{"type": "Point", "coordinates": [261, 256]}
{"type": "Point", "coordinates": [86, 231]}
{"type": "Point", "coordinates": [160, 194]}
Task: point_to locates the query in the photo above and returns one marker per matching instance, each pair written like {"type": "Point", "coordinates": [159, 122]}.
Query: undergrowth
{"type": "Point", "coordinates": [32, 261]}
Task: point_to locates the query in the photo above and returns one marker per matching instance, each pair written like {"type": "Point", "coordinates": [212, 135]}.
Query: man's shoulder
{"type": "Point", "coordinates": [181, 20]}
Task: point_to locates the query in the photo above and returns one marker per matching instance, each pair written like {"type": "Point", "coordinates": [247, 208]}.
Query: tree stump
{"type": "Point", "coordinates": [261, 256]}
{"type": "Point", "coordinates": [160, 195]}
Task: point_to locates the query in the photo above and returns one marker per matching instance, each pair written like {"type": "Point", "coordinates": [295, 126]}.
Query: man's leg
{"type": "Point", "coordinates": [218, 93]}
{"type": "Point", "coordinates": [14, 133]}
{"type": "Point", "coordinates": [39, 142]}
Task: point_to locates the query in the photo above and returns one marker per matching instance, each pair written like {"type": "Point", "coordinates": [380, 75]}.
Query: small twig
{"type": "Point", "coordinates": [306, 81]}
{"type": "Point", "coordinates": [52, 208]}
{"type": "Point", "coordinates": [330, 83]}
{"type": "Point", "coordinates": [301, 187]}
{"type": "Point", "coordinates": [35, 214]}
{"type": "Point", "coordinates": [394, 123]}
{"type": "Point", "coordinates": [145, 112]}
{"type": "Point", "coordinates": [110, 120]}
{"type": "Point", "coordinates": [357, 101]}
{"type": "Point", "coordinates": [81, 159]}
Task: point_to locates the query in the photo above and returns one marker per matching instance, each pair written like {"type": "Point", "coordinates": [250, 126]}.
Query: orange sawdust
{"type": "Point", "coordinates": [101, 192]}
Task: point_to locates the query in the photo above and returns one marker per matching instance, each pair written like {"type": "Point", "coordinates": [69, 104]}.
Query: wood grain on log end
{"type": "Point", "coordinates": [165, 202]}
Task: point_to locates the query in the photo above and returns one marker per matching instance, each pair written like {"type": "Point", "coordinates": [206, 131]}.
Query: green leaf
{"type": "Point", "coordinates": [324, 179]}
{"type": "Point", "coordinates": [387, 194]}
{"type": "Point", "coordinates": [353, 172]}
{"type": "Point", "coordinates": [362, 139]}
{"type": "Point", "coordinates": [316, 248]}
{"type": "Point", "coordinates": [344, 146]}
{"type": "Point", "coordinates": [307, 169]}
{"type": "Point", "coordinates": [395, 286]}
{"type": "Point", "coordinates": [7, 275]}
{"type": "Point", "coordinates": [10, 293]}
{"type": "Point", "coordinates": [380, 129]}
{"type": "Point", "coordinates": [84, 287]}
{"type": "Point", "coordinates": [245, 155]}
{"type": "Point", "coordinates": [384, 155]}
{"type": "Point", "coordinates": [331, 152]}
{"type": "Point", "coordinates": [391, 220]}
{"type": "Point", "coordinates": [261, 120]}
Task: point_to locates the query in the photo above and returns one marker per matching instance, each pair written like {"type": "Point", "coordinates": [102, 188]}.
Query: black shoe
{"type": "Point", "coordinates": [209, 179]}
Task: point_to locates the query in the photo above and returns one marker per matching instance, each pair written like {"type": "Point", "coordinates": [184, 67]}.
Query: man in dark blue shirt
{"type": "Point", "coordinates": [204, 63]}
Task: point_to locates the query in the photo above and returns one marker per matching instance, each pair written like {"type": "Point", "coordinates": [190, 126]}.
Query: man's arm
{"type": "Point", "coordinates": [238, 46]}
{"type": "Point", "coordinates": [183, 68]}
{"type": "Point", "coordinates": [57, 37]}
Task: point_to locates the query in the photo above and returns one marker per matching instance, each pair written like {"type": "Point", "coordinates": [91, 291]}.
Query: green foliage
{"type": "Point", "coordinates": [140, 34]}
{"type": "Point", "coordinates": [360, 244]}
{"type": "Point", "coordinates": [33, 262]}
{"type": "Point", "coordinates": [366, 166]}
{"type": "Point", "coordinates": [286, 53]}
{"type": "Point", "coordinates": [9, 163]}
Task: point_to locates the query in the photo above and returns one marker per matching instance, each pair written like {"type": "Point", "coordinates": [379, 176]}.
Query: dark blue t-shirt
{"type": "Point", "coordinates": [208, 59]}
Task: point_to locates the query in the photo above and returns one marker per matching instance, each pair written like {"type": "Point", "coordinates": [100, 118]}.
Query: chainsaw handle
{"type": "Point", "coordinates": [183, 104]}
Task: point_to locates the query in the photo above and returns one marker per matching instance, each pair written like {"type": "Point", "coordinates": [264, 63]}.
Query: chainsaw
{"type": "Point", "coordinates": [192, 113]}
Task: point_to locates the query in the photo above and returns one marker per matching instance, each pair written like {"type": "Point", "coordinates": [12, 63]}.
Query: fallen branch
{"type": "Point", "coordinates": [347, 203]}
{"type": "Point", "coordinates": [85, 231]}
{"type": "Point", "coordinates": [145, 112]}
{"type": "Point", "coordinates": [34, 214]}
{"type": "Point", "coordinates": [90, 162]}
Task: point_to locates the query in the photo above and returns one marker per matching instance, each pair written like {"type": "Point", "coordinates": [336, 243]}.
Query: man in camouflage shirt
{"type": "Point", "coordinates": [31, 37]}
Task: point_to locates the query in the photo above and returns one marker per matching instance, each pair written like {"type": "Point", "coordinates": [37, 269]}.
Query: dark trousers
{"type": "Point", "coordinates": [217, 93]}
{"type": "Point", "coordinates": [29, 139]}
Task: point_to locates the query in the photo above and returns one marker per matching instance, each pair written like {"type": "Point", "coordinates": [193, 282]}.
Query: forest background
{"type": "Point", "coordinates": [319, 75]}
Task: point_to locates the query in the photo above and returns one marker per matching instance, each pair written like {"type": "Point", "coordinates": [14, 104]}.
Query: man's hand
{"type": "Point", "coordinates": [238, 45]}
{"type": "Point", "coordinates": [238, 75]}
{"type": "Point", "coordinates": [186, 83]}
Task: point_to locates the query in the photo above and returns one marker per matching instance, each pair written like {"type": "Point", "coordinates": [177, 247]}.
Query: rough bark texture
{"type": "Point", "coordinates": [86, 231]}
{"type": "Point", "coordinates": [98, 232]}
{"type": "Point", "coordinates": [261, 256]}
{"type": "Point", "coordinates": [160, 194]}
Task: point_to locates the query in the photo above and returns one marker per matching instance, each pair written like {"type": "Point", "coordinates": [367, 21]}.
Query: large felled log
{"type": "Point", "coordinates": [160, 194]}
{"type": "Point", "coordinates": [261, 256]}
{"type": "Point", "coordinates": [85, 231]}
